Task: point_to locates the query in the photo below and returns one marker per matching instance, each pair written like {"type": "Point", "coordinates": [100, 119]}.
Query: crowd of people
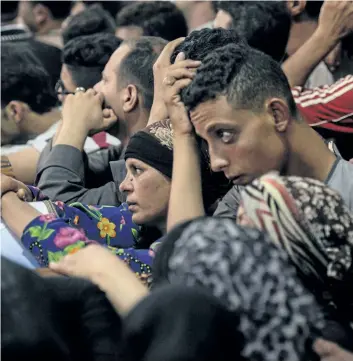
{"type": "Point", "coordinates": [177, 180]}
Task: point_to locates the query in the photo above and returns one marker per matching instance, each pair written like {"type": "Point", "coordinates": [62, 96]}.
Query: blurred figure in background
{"type": "Point", "coordinates": [44, 18]}
{"type": "Point", "coordinates": [198, 14]}
{"type": "Point", "coordinates": [155, 18]}
{"type": "Point", "coordinates": [93, 19]}
{"type": "Point", "coordinates": [28, 103]}
{"type": "Point", "coordinates": [13, 31]}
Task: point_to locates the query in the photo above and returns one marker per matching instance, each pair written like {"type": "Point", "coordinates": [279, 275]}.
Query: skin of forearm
{"type": "Point", "coordinates": [185, 201]}
{"type": "Point", "coordinates": [16, 213]}
{"type": "Point", "coordinates": [300, 65]}
{"type": "Point", "coordinates": [121, 287]}
{"type": "Point", "coordinates": [72, 134]}
{"type": "Point", "coordinates": [22, 165]}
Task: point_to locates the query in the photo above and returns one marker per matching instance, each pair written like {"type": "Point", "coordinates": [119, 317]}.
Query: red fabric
{"type": "Point", "coordinates": [101, 140]}
{"type": "Point", "coordinates": [329, 107]}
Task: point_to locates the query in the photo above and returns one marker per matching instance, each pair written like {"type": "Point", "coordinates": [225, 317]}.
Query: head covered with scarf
{"type": "Point", "coordinates": [154, 146]}
{"type": "Point", "coordinates": [311, 222]}
{"type": "Point", "coordinates": [278, 316]}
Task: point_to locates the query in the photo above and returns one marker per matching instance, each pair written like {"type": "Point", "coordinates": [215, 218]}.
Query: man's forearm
{"type": "Point", "coordinates": [300, 65]}
{"type": "Point", "coordinates": [73, 135]}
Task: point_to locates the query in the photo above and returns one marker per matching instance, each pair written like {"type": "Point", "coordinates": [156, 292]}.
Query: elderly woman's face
{"type": "Point", "coordinates": [148, 193]}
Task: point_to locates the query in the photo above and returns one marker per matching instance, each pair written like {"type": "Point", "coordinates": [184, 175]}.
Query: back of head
{"type": "Point", "coordinates": [86, 57]}
{"type": "Point", "coordinates": [59, 10]}
{"type": "Point", "coordinates": [203, 329]}
{"type": "Point", "coordinates": [247, 77]}
{"type": "Point", "coordinates": [9, 11]}
{"type": "Point", "coordinates": [90, 21]}
{"type": "Point", "coordinates": [265, 25]}
{"type": "Point", "coordinates": [137, 67]}
{"type": "Point", "coordinates": [54, 318]}
{"type": "Point", "coordinates": [113, 7]}
{"type": "Point", "coordinates": [313, 8]}
{"type": "Point", "coordinates": [156, 18]}
{"type": "Point", "coordinates": [24, 79]}
{"type": "Point", "coordinates": [200, 43]}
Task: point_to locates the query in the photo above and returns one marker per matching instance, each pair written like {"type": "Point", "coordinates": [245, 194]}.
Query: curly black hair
{"type": "Point", "coordinates": [23, 78]}
{"type": "Point", "coordinates": [264, 24]}
{"type": "Point", "coordinates": [92, 20]}
{"type": "Point", "coordinates": [156, 18]}
{"type": "Point", "coordinates": [137, 67]}
{"type": "Point", "coordinates": [246, 76]}
{"type": "Point", "coordinates": [200, 43]}
{"type": "Point", "coordinates": [86, 57]}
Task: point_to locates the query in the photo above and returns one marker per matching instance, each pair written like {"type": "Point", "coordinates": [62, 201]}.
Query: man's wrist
{"type": "Point", "coordinates": [72, 134]}
{"type": "Point", "coordinates": [325, 39]}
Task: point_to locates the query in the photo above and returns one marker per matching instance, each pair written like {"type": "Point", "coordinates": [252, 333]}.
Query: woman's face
{"type": "Point", "coordinates": [148, 193]}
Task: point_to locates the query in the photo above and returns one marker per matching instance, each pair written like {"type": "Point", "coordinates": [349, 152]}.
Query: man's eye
{"type": "Point", "coordinates": [225, 136]}
{"type": "Point", "coordinates": [137, 170]}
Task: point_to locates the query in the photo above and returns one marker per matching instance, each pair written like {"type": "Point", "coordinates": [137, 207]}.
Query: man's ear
{"type": "Point", "coordinates": [41, 14]}
{"type": "Point", "coordinates": [278, 110]}
{"type": "Point", "coordinates": [296, 7]}
{"type": "Point", "coordinates": [130, 98]}
{"type": "Point", "coordinates": [16, 111]}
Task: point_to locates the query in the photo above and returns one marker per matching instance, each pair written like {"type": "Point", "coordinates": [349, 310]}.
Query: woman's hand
{"type": "Point", "coordinates": [91, 263]}
{"type": "Point", "coordinates": [108, 272]}
{"type": "Point", "coordinates": [9, 184]}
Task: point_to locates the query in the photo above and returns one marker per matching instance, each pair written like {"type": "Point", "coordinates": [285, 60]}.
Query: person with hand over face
{"type": "Point", "coordinates": [127, 89]}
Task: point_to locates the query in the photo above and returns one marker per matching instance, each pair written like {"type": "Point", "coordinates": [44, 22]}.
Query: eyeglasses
{"type": "Point", "coordinates": [60, 88]}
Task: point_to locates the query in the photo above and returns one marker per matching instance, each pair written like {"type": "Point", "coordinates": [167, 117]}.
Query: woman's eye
{"type": "Point", "coordinates": [137, 170]}
{"type": "Point", "coordinates": [225, 136]}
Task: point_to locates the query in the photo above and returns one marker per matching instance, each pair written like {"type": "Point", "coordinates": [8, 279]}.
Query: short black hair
{"type": "Point", "coordinates": [156, 18]}
{"type": "Point", "coordinates": [246, 76]}
{"type": "Point", "coordinates": [200, 43]}
{"type": "Point", "coordinates": [9, 10]}
{"type": "Point", "coordinates": [24, 79]}
{"type": "Point", "coordinates": [86, 57]}
{"type": "Point", "coordinates": [113, 7]}
{"type": "Point", "coordinates": [265, 25]}
{"type": "Point", "coordinates": [59, 9]}
{"type": "Point", "coordinates": [92, 20]}
{"type": "Point", "coordinates": [313, 8]}
{"type": "Point", "coordinates": [137, 67]}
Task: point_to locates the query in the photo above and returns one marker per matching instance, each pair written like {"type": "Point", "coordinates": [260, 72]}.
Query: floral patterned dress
{"type": "Point", "coordinates": [69, 228]}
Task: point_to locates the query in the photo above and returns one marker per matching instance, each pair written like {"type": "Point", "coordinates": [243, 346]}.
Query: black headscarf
{"type": "Point", "coordinates": [154, 146]}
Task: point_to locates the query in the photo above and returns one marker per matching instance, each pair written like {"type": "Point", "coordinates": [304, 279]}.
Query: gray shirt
{"type": "Point", "coordinates": [339, 179]}
{"type": "Point", "coordinates": [66, 174]}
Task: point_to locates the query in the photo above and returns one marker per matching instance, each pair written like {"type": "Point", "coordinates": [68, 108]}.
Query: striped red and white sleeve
{"type": "Point", "coordinates": [329, 106]}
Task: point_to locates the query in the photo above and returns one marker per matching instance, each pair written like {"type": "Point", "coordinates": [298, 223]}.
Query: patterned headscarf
{"type": "Point", "coordinates": [252, 277]}
{"type": "Point", "coordinates": [311, 222]}
{"type": "Point", "coordinates": [154, 146]}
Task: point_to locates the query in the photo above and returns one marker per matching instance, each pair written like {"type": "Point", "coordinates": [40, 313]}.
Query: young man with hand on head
{"type": "Point", "coordinates": [241, 104]}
